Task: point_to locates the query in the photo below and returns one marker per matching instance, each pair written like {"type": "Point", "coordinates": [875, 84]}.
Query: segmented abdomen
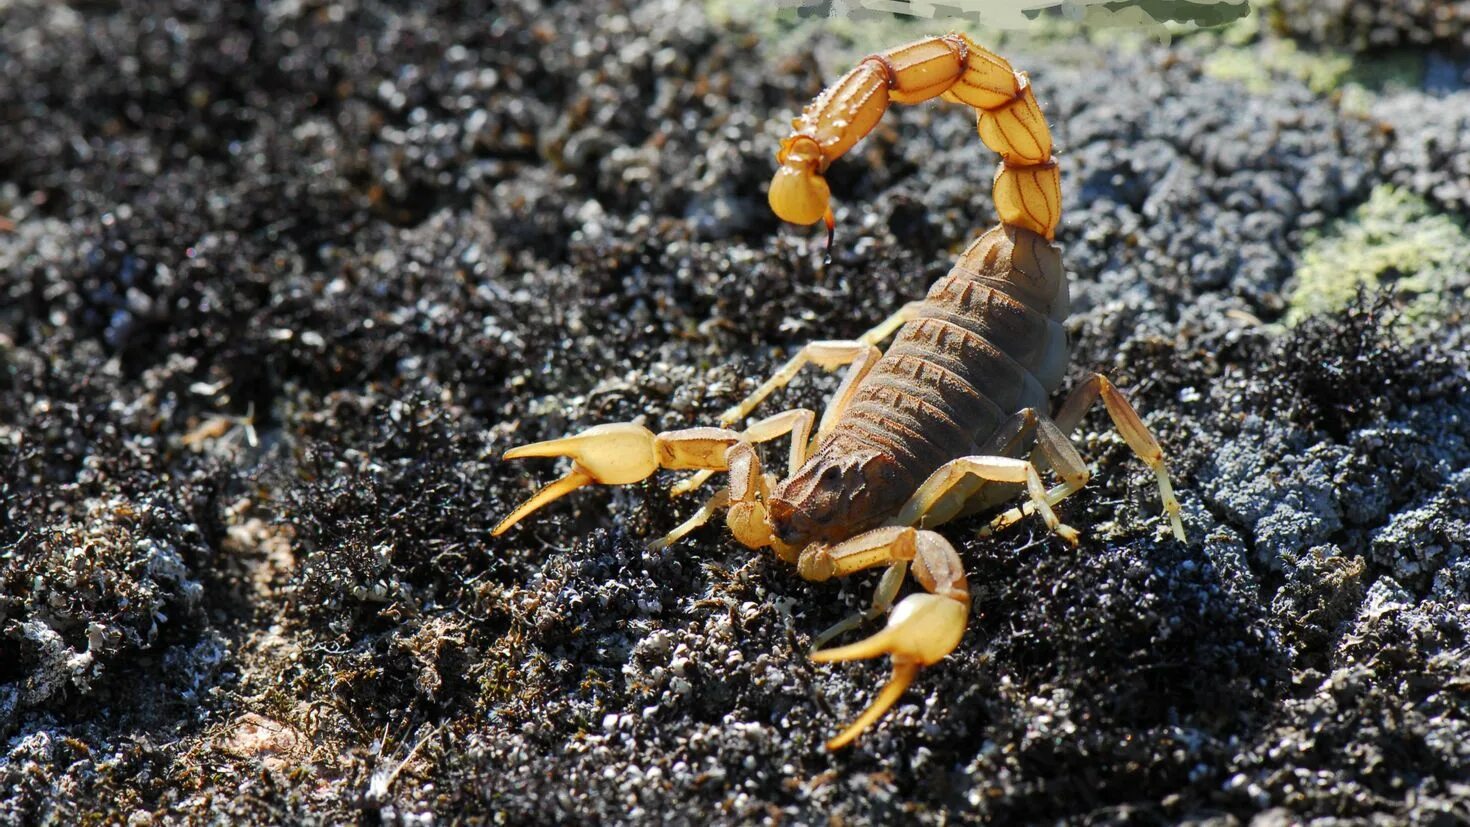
{"type": "Point", "coordinates": [987, 342]}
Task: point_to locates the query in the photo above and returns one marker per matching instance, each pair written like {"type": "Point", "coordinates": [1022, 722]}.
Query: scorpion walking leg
{"type": "Point", "coordinates": [1053, 450]}
{"type": "Point", "coordinates": [797, 422]}
{"type": "Point", "coordinates": [997, 469]}
{"type": "Point", "coordinates": [921, 630]}
{"type": "Point", "coordinates": [744, 501]}
{"type": "Point", "coordinates": [859, 354]}
{"type": "Point", "coordinates": [974, 494]}
{"type": "Point", "coordinates": [829, 355]}
{"type": "Point", "coordinates": [1135, 433]}
{"type": "Point", "coordinates": [720, 499]}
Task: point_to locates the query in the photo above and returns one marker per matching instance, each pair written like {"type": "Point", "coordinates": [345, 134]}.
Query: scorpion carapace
{"type": "Point", "coordinates": [933, 429]}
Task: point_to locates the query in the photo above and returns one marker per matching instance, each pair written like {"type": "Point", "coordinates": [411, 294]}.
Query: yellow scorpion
{"type": "Point", "coordinates": [930, 430]}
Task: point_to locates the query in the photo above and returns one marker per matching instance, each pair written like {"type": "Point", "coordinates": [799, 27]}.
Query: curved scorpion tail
{"type": "Point", "coordinates": [1027, 186]}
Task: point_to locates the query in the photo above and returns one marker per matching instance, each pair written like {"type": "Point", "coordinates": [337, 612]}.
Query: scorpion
{"type": "Point", "coordinates": [931, 430]}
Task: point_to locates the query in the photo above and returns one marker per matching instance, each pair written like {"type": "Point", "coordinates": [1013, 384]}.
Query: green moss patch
{"type": "Point", "coordinates": [1396, 242]}
{"type": "Point", "coordinates": [1247, 53]}
{"type": "Point", "coordinates": [1258, 67]}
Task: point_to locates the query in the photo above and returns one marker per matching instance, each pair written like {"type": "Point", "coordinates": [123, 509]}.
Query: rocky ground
{"type": "Point", "coordinates": [279, 282]}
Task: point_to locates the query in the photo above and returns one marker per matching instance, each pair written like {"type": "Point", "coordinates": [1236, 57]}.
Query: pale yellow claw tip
{"type": "Point", "coordinates": [903, 675]}
{"type": "Point", "coordinates": [922, 628]}
{"type": "Point", "coordinates": [799, 195]}
{"type": "Point", "coordinates": [553, 491]}
{"type": "Point", "coordinates": [869, 647]}
{"type": "Point", "coordinates": [1171, 504]}
{"type": "Point", "coordinates": [613, 454]}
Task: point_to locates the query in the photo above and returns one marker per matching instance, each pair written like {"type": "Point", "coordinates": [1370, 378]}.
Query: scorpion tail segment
{"type": "Point", "coordinates": [1029, 196]}
{"type": "Point", "coordinates": [922, 630]}
{"type": "Point", "coordinates": [903, 675]}
{"type": "Point", "coordinates": [614, 454]}
{"type": "Point", "coordinates": [826, 130]}
{"type": "Point", "coordinates": [1027, 187]}
{"type": "Point", "coordinates": [799, 194]}
{"type": "Point", "coordinates": [1009, 120]}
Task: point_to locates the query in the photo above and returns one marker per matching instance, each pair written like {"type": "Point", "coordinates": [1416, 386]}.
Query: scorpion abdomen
{"type": "Point", "coordinates": [987, 342]}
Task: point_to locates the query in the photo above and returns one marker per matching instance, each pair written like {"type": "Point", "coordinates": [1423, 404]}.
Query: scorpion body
{"type": "Point", "coordinates": [936, 427]}
{"type": "Point", "coordinates": [986, 343]}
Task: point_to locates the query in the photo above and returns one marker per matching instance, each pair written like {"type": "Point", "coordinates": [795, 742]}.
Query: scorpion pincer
{"type": "Point", "coordinates": [932, 429]}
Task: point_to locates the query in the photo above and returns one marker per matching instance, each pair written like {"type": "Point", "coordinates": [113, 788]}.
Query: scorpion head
{"type": "Point", "coordinates": [839, 492]}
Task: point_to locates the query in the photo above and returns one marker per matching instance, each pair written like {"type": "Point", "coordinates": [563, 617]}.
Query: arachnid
{"type": "Point", "coordinates": [931, 429]}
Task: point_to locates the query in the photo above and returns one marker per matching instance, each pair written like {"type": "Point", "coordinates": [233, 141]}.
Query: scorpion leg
{"type": "Point", "coordinates": [859, 354]}
{"type": "Point", "coordinates": [861, 363]}
{"type": "Point", "coordinates": [1053, 448]}
{"type": "Point", "coordinates": [797, 422]}
{"type": "Point", "coordinates": [922, 629]}
{"type": "Point", "coordinates": [830, 355]}
{"type": "Point", "coordinates": [744, 501]}
{"type": "Point", "coordinates": [990, 468]}
{"type": "Point", "coordinates": [974, 494]}
{"type": "Point", "coordinates": [718, 500]}
{"type": "Point", "coordinates": [767, 429]}
{"type": "Point", "coordinates": [1135, 433]}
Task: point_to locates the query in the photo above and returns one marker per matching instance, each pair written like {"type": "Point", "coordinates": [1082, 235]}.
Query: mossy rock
{"type": "Point", "coordinates": [1395, 241]}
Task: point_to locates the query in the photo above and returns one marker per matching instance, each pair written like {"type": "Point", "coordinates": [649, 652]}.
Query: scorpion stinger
{"type": "Point", "coordinates": [831, 236]}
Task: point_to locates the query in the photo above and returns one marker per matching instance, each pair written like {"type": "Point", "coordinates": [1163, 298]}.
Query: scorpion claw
{"type": "Point", "coordinates": [614, 454]}
{"type": "Point", "coordinates": [903, 675]}
{"type": "Point", "coordinates": [552, 491]}
{"type": "Point", "coordinates": [921, 630]}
